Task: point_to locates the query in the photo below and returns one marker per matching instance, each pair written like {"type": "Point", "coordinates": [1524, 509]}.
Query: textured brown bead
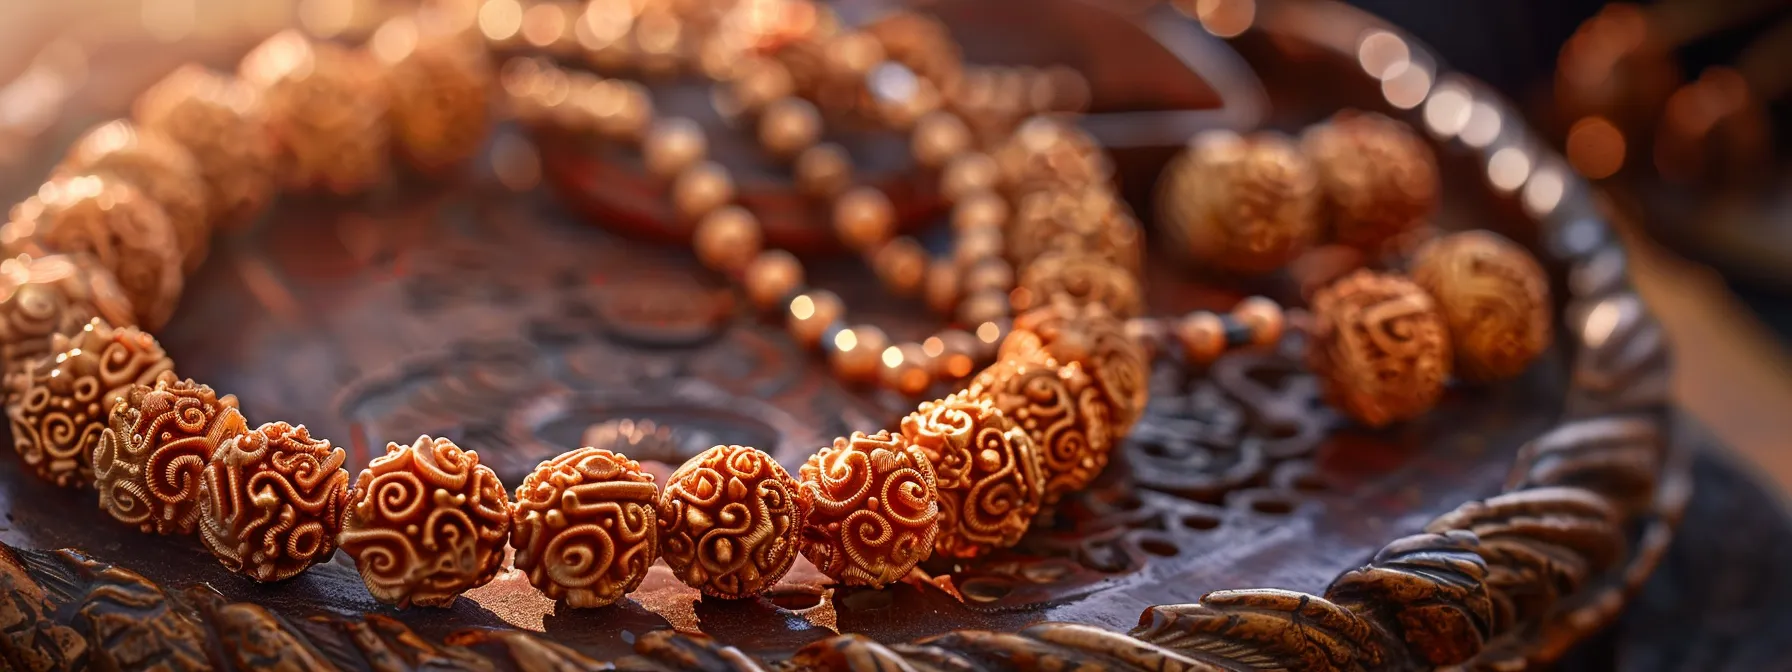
{"type": "Point", "coordinates": [1061, 409]}
{"type": "Point", "coordinates": [728, 238]}
{"type": "Point", "coordinates": [811, 314]}
{"type": "Point", "coordinates": [55, 294]}
{"type": "Point", "coordinates": [864, 217]}
{"type": "Point", "coordinates": [938, 137]}
{"type": "Point", "coordinates": [1090, 221]}
{"type": "Point", "coordinates": [1494, 299]}
{"type": "Point", "coordinates": [585, 527]}
{"type": "Point", "coordinates": [1380, 347]}
{"type": "Point", "coordinates": [273, 499]}
{"type": "Point", "coordinates": [771, 277]}
{"type": "Point", "coordinates": [789, 126]}
{"type": "Point", "coordinates": [326, 107]}
{"type": "Point", "coordinates": [673, 145]}
{"type": "Point", "coordinates": [426, 522]}
{"type": "Point", "coordinates": [873, 508]}
{"type": "Point", "coordinates": [219, 120]}
{"type": "Point", "coordinates": [160, 169]}
{"type": "Point", "coordinates": [67, 397]}
{"type": "Point", "coordinates": [1202, 335]}
{"type": "Point", "coordinates": [151, 459]}
{"type": "Point", "coordinates": [1379, 177]}
{"type": "Point", "coordinates": [857, 353]}
{"type": "Point", "coordinates": [823, 171]}
{"type": "Point", "coordinates": [987, 469]}
{"type": "Point", "coordinates": [1081, 279]}
{"type": "Point", "coordinates": [113, 223]}
{"type": "Point", "coordinates": [968, 174]}
{"type": "Point", "coordinates": [1091, 336]}
{"type": "Point", "coordinates": [1050, 153]}
{"type": "Point", "coordinates": [700, 189]}
{"type": "Point", "coordinates": [901, 264]}
{"type": "Point", "coordinates": [1240, 204]}
{"type": "Point", "coordinates": [440, 84]}
{"type": "Point", "coordinates": [730, 522]}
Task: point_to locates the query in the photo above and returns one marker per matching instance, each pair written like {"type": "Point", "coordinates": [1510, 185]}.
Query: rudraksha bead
{"type": "Point", "coordinates": [218, 119]}
{"type": "Point", "coordinates": [326, 109]}
{"type": "Point", "coordinates": [987, 470]}
{"type": "Point", "coordinates": [67, 398]}
{"type": "Point", "coordinates": [109, 220]}
{"type": "Point", "coordinates": [439, 84]}
{"type": "Point", "coordinates": [1379, 347]}
{"type": "Point", "coordinates": [1240, 204]}
{"type": "Point", "coordinates": [584, 527]}
{"type": "Point", "coordinates": [1061, 409]}
{"type": "Point", "coordinates": [730, 522]}
{"type": "Point", "coordinates": [873, 508]}
{"type": "Point", "coordinates": [151, 459]}
{"type": "Point", "coordinates": [1047, 153]}
{"type": "Point", "coordinates": [1082, 279]}
{"type": "Point", "coordinates": [426, 522]}
{"type": "Point", "coordinates": [272, 501]}
{"type": "Point", "coordinates": [1494, 298]}
{"type": "Point", "coordinates": [1093, 337]}
{"type": "Point", "coordinates": [160, 168]}
{"type": "Point", "coordinates": [54, 294]}
{"type": "Point", "coordinates": [1379, 178]}
{"type": "Point", "coordinates": [1091, 221]}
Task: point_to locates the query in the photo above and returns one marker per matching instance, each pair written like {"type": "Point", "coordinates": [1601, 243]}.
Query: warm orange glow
{"type": "Point", "coordinates": [1226, 18]}
{"type": "Point", "coordinates": [989, 333]}
{"type": "Point", "coordinates": [892, 356]}
{"type": "Point", "coordinates": [544, 24]}
{"type": "Point", "coordinates": [1383, 55]}
{"type": "Point", "coordinates": [1596, 147]}
{"type": "Point", "coordinates": [500, 19]}
{"type": "Point", "coordinates": [802, 307]}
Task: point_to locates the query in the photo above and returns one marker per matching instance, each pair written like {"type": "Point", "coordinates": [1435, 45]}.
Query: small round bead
{"type": "Point", "coordinates": [426, 522]}
{"type": "Point", "coordinates": [864, 217]}
{"type": "Point", "coordinates": [987, 470]}
{"type": "Point", "coordinates": [989, 275]}
{"type": "Point", "coordinates": [1202, 335]}
{"type": "Point", "coordinates": [1264, 317]}
{"type": "Point", "coordinates": [441, 111]}
{"type": "Point", "coordinates": [759, 82]}
{"type": "Point", "coordinates": [1494, 297]}
{"type": "Point", "coordinates": [1060, 410]}
{"type": "Point", "coordinates": [326, 108]}
{"type": "Point", "coordinates": [851, 56]}
{"type": "Point", "coordinates": [907, 369]}
{"type": "Point", "coordinates": [823, 171]}
{"type": "Point", "coordinates": [975, 246]}
{"type": "Point", "coordinates": [981, 307]}
{"type": "Point", "coordinates": [812, 314]}
{"type": "Point", "coordinates": [150, 459]}
{"type": "Point", "coordinates": [220, 121]}
{"type": "Point", "coordinates": [48, 295]}
{"type": "Point", "coordinates": [942, 286]}
{"type": "Point", "coordinates": [124, 232]}
{"type": "Point", "coordinates": [902, 266]}
{"type": "Point", "coordinates": [954, 353]}
{"type": "Point", "coordinates": [938, 137]}
{"type": "Point", "coordinates": [873, 508]}
{"type": "Point", "coordinates": [967, 174]}
{"type": "Point", "coordinates": [65, 400]}
{"type": "Point", "coordinates": [1379, 178]}
{"type": "Point", "coordinates": [789, 126]}
{"type": "Point", "coordinates": [983, 209]}
{"type": "Point", "coordinates": [585, 527]}
{"type": "Point", "coordinates": [700, 189]}
{"type": "Point", "coordinates": [857, 353]}
{"type": "Point", "coordinates": [1240, 204]}
{"type": "Point", "coordinates": [1091, 336]}
{"type": "Point", "coordinates": [161, 170]}
{"type": "Point", "coordinates": [628, 115]}
{"type": "Point", "coordinates": [273, 501]}
{"type": "Point", "coordinates": [1397, 374]}
{"type": "Point", "coordinates": [772, 276]}
{"type": "Point", "coordinates": [727, 239]}
{"type": "Point", "coordinates": [730, 522]}
{"type": "Point", "coordinates": [673, 145]}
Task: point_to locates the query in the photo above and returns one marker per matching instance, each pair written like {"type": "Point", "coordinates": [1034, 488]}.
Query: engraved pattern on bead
{"type": "Point", "coordinates": [326, 107]}
{"type": "Point", "coordinates": [1091, 221]}
{"type": "Point", "coordinates": [55, 294]}
{"type": "Point", "coordinates": [1379, 177]}
{"type": "Point", "coordinates": [272, 501]}
{"type": "Point", "coordinates": [987, 470]}
{"type": "Point", "coordinates": [68, 397]}
{"type": "Point", "coordinates": [161, 170]}
{"type": "Point", "coordinates": [109, 220]}
{"type": "Point", "coordinates": [219, 120]}
{"type": "Point", "coordinates": [440, 87]}
{"type": "Point", "coordinates": [150, 461]}
{"type": "Point", "coordinates": [1081, 279]}
{"type": "Point", "coordinates": [873, 508]}
{"type": "Point", "coordinates": [730, 522]}
{"type": "Point", "coordinates": [426, 522]}
{"type": "Point", "coordinates": [1060, 409]}
{"type": "Point", "coordinates": [584, 527]}
{"type": "Point", "coordinates": [1093, 337]}
{"type": "Point", "coordinates": [1379, 346]}
{"type": "Point", "coordinates": [1494, 297]}
{"type": "Point", "coordinates": [1242, 204]}
{"type": "Point", "coordinates": [1048, 153]}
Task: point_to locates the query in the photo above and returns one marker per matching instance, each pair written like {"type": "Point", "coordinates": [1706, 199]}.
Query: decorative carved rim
{"type": "Point", "coordinates": [1499, 583]}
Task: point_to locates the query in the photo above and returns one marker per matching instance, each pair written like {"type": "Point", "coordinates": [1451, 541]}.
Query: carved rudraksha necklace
{"type": "Point", "coordinates": [103, 248]}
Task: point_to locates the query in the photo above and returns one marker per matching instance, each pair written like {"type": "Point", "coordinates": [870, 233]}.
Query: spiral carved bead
{"type": "Point", "coordinates": [426, 522]}
{"type": "Point", "coordinates": [1046, 153]}
{"type": "Point", "coordinates": [1082, 279]}
{"type": "Point", "coordinates": [1061, 409]}
{"type": "Point", "coordinates": [219, 121]}
{"type": "Point", "coordinates": [1379, 346]}
{"type": "Point", "coordinates": [584, 527]}
{"type": "Point", "coordinates": [1091, 221]}
{"type": "Point", "coordinates": [1091, 336]}
{"type": "Point", "coordinates": [1493, 296]}
{"type": "Point", "coordinates": [439, 84]}
{"type": "Point", "coordinates": [48, 295]}
{"type": "Point", "coordinates": [326, 108]}
{"type": "Point", "coordinates": [730, 522]}
{"type": "Point", "coordinates": [160, 168]}
{"type": "Point", "coordinates": [1379, 178]}
{"type": "Point", "coordinates": [272, 501]}
{"type": "Point", "coordinates": [150, 462]}
{"type": "Point", "coordinates": [987, 470]}
{"type": "Point", "coordinates": [67, 398]}
{"type": "Point", "coordinates": [873, 508]}
{"type": "Point", "coordinates": [1246, 205]}
{"type": "Point", "coordinates": [110, 220]}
